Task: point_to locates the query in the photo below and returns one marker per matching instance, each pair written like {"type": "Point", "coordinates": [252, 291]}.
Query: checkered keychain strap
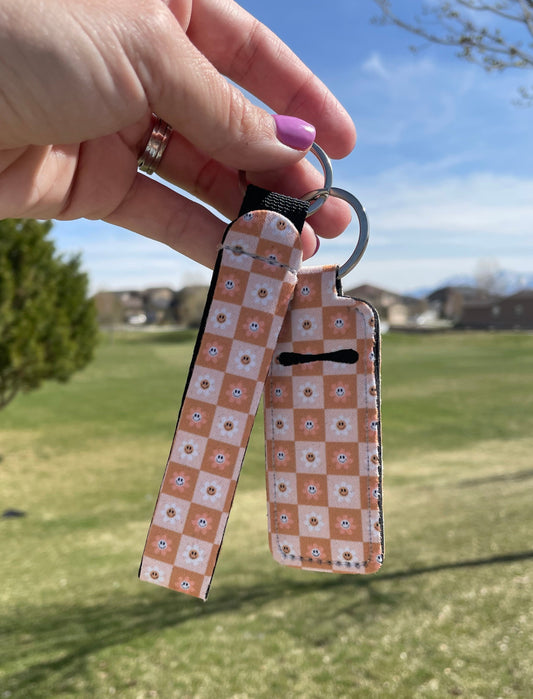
{"type": "Point", "coordinates": [252, 285]}
{"type": "Point", "coordinates": [322, 425]}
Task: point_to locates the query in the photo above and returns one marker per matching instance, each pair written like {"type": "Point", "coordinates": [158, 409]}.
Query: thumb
{"type": "Point", "coordinates": [188, 92]}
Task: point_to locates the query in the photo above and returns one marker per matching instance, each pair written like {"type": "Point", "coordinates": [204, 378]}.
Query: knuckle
{"type": "Point", "coordinates": [245, 54]}
{"type": "Point", "coordinates": [238, 125]}
{"type": "Point", "coordinates": [206, 180]}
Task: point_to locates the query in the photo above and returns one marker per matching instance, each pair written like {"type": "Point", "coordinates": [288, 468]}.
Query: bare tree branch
{"type": "Point", "coordinates": [527, 9]}
{"type": "Point", "coordinates": [469, 26]}
{"type": "Point", "coordinates": [494, 8]}
{"type": "Point", "coordinates": [473, 37]}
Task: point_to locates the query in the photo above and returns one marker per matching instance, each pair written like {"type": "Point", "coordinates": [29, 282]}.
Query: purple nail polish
{"type": "Point", "coordinates": [317, 245]}
{"type": "Point", "coordinates": [293, 132]}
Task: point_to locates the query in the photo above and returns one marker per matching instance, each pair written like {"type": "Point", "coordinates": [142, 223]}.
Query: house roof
{"type": "Point", "coordinates": [469, 293]}
{"type": "Point", "coordinates": [523, 295]}
{"type": "Point", "coordinates": [378, 296]}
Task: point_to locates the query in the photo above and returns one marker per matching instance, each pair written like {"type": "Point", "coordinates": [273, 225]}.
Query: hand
{"type": "Point", "coordinates": [79, 81]}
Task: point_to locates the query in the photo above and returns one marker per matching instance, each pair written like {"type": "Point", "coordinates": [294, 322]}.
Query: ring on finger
{"type": "Point", "coordinates": [154, 149]}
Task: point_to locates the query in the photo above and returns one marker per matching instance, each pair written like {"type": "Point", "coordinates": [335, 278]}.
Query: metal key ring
{"type": "Point", "coordinates": [321, 194]}
{"type": "Point", "coordinates": [318, 196]}
{"type": "Point", "coordinates": [362, 241]}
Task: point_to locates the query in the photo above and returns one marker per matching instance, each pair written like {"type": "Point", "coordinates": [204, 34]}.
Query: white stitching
{"type": "Point", "coordinates": [238, 250]}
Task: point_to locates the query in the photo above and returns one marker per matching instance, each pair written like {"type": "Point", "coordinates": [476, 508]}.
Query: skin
{"type": "Point", "coordinates": [80, 79]}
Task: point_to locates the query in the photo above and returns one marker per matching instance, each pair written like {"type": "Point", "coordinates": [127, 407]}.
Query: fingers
{"type": "Point", "coordinates": [188, 92]}
{"type": "Point", "coordinates": [157, 212]}
{"type": "Point", "coordinates": [186, 85]}
{"type": "Point", "coordinates": [251, 55]}
{"type": "Point", "coordinates": [185, 166]}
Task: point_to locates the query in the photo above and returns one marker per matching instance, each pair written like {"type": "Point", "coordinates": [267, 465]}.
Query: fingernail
{"type": "Point", "coordinates": [317, 245]}
{"type": "Point", "coordinates": [293, 132]}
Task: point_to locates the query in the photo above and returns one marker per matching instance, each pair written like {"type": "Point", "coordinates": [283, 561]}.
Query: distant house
{"type": "Point", "coordinates": [109, 309]}
{"type": "Point", "coordinates": [135, 307]}
{"type": "Point", "coordinates": [132, 304]}
{"type": "Point", "coordinates": [116, 307]}
{"type": "Point", "coordinates": [461, 306]}
{"type": "Point", "coordinates": [513, 312]}
{"type": "Point", "coordinates": [448, 301]}
{"type": "Point", "coordinates": [159, 305]}
{"type": "Point", "coordinates": [395, 309]}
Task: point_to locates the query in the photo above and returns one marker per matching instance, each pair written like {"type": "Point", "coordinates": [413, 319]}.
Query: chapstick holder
{"type": "Point", "coordinates": [252, 285]}
{"type": "Point", "coordinates": [322, 429]}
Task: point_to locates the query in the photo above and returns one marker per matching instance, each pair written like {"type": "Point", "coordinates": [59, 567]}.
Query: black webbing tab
{"type": "Point", "coordinates": [257, 199]}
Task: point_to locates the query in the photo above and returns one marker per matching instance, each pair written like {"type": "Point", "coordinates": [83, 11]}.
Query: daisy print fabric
{"type": "Point", "coordinates": [323, 432]}
{"type": "Point", "coordinates": [251, 289]}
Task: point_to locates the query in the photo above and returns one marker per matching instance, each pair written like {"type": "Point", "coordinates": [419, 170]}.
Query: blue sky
{"type": "Point", "coordinates": [443, 163]}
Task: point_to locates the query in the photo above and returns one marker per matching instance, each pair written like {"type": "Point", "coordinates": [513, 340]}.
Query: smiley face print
{"type": "Point", "coordinates": [212, 491]}
{"type": "Point", "coordinates": [244, 361]}
{"type": "Point", "coordinates": [205, 385]}
{"type": "Point", "coordinates": [221, 319]}
{"type": "Point", "coordinates": [193, 555]}
{"type": "Point", "coordinates": [314, 522]}
{"type": "Point", "coordinates": [154, 574]}
{"type": "Point", "coordinates": [186, 450]}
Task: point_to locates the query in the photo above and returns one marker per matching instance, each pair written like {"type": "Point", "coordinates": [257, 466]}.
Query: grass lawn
{"type": "Point", "coordinates": [450, 614]}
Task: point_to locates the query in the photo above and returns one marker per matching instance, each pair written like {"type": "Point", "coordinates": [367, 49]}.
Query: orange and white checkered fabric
{"type": "Point", "coordinates": [322, 428]}
{"type": "Point", "coordinates": [251, 289]}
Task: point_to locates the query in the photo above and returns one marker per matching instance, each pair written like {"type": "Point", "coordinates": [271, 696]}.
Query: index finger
{"type": "Point", "coordinates": [251, 55]}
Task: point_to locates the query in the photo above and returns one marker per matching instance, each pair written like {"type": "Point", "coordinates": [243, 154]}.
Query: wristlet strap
{"type": "Point", "coordinates": [252, 285]}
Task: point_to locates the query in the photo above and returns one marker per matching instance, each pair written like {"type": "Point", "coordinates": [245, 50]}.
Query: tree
{"type": "Point", "coordinates": [189, 305]}
{"type": "Point", "coordinates": [48, 324]}
{"type": "Point", "coordinates": [109, 309]}
{"type": "Point", "coordinates": [496, 34]}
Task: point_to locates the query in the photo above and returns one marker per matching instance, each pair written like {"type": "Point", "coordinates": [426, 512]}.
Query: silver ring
{"type": "Point", "coordinates": [322, 195]}
{"type": "Point", "coordinates": [157, 143]}
{"type": "Point", "coordinates": [362, 241]}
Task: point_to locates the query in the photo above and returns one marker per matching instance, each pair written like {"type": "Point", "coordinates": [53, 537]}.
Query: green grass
{"type": "Point", "coordinates": [448, 615]}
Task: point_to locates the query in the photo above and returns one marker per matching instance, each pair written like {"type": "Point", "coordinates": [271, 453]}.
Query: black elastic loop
{"type": "Point", "coordinates": [257, 199]}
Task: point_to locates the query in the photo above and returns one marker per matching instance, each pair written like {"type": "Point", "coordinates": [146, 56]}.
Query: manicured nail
{"type": "Point", "coordinates": [293, 132]}
{"type": "Point", "coordinates": [317, 245]}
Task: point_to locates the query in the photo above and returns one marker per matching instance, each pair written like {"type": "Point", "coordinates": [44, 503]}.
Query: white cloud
{"type": "Point", "coordinates": [424, 229]}
{"type": "Point", "coordinates": [398, 99]}
{"type": "Point", "coordinates": [481, 205]}
{"type": "Point", "coordinates": [404, 97]}
{"type": "Point", "coordinates": [374, 66]}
